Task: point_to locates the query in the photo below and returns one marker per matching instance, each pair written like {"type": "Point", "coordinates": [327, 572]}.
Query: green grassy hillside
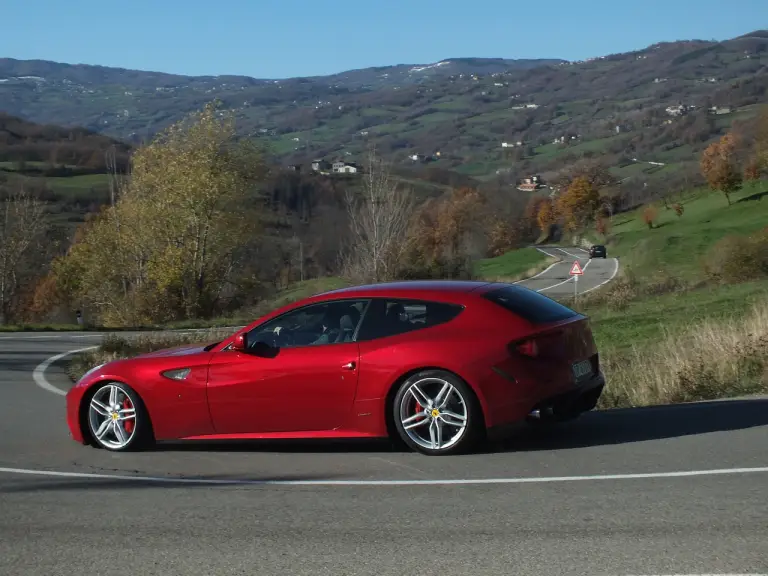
{"type": "Point", "coordinates": [677, 243]}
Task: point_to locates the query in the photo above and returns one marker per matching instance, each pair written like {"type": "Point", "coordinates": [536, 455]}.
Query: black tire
{"type": "Point", "coordinates": [473, 429]}
{"type": "Point", "coordinates": [141, 437]}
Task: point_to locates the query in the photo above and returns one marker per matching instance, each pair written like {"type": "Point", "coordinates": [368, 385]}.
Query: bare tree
{"type": "Point", "coordinates": [23, 226]}
{"type": "Point", "coordinates": [379, 217]}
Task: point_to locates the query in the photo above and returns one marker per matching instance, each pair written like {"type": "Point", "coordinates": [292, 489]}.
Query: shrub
{"type": "Point", "coordinates": [738, 258]}
{"type": "Point", "coordinates": [649, 215]}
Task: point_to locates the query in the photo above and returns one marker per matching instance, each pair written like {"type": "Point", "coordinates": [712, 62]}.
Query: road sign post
{"type": "Point", "coordinates": [576, 271]}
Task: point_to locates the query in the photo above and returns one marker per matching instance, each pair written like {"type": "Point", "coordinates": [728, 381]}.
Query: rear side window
{"type": "Point", "coordinates": [529, 304]}
{"type": "Point", "coordinates": [389, 317]}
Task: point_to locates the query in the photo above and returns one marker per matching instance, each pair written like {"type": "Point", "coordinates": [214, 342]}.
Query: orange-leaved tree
{"type": "Point", "coordinates": [649, 215]}
{"type": "Point", "coordinates": [601, 225]}
{"type": "Point", "coordinates": [718, 166]}
{"type": "Point", "coordinates": [444, 234]}
{"type": "Point", "coordinates": [761, 139]}
{"type": "Point", "coordinates": [502, 237]}
{"type": "Point", "coordinates": [579, 203]}
{"type": "Point", "coordinates": [546, 215]}
{"type": "Point", "coordinates": [752, 170]}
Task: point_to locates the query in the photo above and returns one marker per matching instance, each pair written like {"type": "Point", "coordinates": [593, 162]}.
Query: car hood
{"type": "Point", "coordinates": [177, 351]}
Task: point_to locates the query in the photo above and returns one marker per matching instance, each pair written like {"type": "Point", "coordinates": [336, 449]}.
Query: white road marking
{"type": "Point", "coordinates": [542, 272]}
{"type": "Point", "coordinates": [50, 336]}
{"type": "Point", "coordinates": [604, 282]}
{"type": "Point", "coordinates": [565, 281]}
{"type": "Point", "coordinates": [569, 254]}
{"type": "Point", "coordinates": [38, 375]}
{"type": "Point", "coordinates": [435, 482]}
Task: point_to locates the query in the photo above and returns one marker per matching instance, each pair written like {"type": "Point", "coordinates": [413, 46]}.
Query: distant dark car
{"type": "Point", "coordinates": [597, 251]}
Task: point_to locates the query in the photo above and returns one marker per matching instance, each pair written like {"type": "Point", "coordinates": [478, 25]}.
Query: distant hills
{"type": "Point", "coordinates": [486, 116]}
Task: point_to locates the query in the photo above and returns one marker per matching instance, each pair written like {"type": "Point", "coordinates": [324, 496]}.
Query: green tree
{"type": "Point", "coordinates": [169, 248]}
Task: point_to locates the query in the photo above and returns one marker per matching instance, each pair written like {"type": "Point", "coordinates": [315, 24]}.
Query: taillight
{"type": "Point", "coordinates": [528, 348]}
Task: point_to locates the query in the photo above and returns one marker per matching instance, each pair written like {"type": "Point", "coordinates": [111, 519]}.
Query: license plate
{"type": "Point", "coordinates": [582, 369]}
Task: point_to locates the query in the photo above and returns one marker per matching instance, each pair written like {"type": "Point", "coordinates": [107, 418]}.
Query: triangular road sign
{"type": "Point", "coordinates": [576, 269]}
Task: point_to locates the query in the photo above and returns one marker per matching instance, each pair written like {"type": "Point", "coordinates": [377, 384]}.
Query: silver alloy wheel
{"type": "Point", "coordinates": [112, 417]}
{"type": "Point", "coordinates": [433, 406]}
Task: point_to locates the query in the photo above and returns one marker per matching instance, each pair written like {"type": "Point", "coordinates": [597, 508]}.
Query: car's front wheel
{"type": "Point", "coordinates": [117, 418]}
{"type": "Point", "coordinates": [436, 413]}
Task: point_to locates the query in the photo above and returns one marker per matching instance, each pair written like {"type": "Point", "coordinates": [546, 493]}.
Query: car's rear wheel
{"type": "Point", "coordinates": [436, 413]}
{"type": "Point", "coordinates": [117, 418]}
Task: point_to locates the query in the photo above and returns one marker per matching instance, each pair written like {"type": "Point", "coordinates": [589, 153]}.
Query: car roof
{"type": "Point", "coordinates": [406, 288]}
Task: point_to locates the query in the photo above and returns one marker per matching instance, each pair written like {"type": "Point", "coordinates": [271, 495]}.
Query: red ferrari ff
{"type": "Point", "coordinates": [436, 364]}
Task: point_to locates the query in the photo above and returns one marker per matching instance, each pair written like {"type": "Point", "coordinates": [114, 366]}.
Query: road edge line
{"type": "Point", "coordinates": [38, 374]}
{"type": "Point", "coordinates": [411, 482]}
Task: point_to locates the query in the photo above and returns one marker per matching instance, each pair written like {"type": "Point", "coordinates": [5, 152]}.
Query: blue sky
{"type": "Point", "coordinates": [283, 38]}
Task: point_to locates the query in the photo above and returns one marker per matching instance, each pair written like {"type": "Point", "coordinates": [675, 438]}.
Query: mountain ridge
{"type": "Point", "coordinates": [466, 108]}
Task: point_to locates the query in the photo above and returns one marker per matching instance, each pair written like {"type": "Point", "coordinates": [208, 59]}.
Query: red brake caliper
{"type": "Point", "coordinates": [128, 424]}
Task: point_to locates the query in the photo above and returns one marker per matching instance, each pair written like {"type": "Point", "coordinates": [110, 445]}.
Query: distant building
{"type": "Point", "coordinates": [530, 184]}
{"type": "Point", "coordinates": [343, 167]}
{"type": "Point", "coordinates": [320, 165]}
{"type": "Point", "coordinates": [679, 110]}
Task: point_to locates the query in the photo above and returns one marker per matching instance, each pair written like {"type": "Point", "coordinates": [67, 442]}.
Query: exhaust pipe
{"type": "Point", "coordinates": [544, 412]}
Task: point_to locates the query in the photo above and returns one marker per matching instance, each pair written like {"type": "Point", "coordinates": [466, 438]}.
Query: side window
{"type": "Point", "coordinates": [389, 317]}
{"type": "Point", "coordinates": [325, 323]}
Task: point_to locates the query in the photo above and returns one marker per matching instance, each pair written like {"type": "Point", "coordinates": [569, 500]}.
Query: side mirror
{"type": "Point", "coordinates": [263, 350]}
{"type": "Point", "coordinates": [240, 343]}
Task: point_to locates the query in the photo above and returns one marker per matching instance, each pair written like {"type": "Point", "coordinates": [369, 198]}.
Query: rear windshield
{"type": "Point", "coordinates": [529, 305]}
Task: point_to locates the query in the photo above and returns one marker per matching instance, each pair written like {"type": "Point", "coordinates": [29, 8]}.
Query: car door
{"type": "Point", "coordinates": [306, 382]}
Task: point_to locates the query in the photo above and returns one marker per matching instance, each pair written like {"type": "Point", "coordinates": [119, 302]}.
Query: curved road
{"type": "Point", "coordinates": [556, 281]}
{"type": "Point", "coordinates": [669, 490]}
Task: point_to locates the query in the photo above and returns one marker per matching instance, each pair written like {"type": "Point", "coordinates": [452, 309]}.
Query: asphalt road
{"type": "Point", "coordinates": [557, 282]}
{"type": "Point", "coordinates": [669, 490]}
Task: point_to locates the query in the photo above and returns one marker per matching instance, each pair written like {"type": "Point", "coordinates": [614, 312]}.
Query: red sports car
{"type": "Point", "coordinates": [436, 364]}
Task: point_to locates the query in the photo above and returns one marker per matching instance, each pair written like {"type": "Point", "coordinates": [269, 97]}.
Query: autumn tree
{"type": "Point", "coordinates": [529, 222]}
{"type": "Point", "coordinates": [761, 139]}
{"type": "Point", "coordinates": [378, 218]}
{"type": "Point", "coordinates": [502, 237]}
{"type": "Point", "coordinates": [718, 166]}
{"type": "Point", "coordinates": [447, 235]}
{"type": "Point", "coordinates": [546, 215]}
{"type": "Point", "coordinates": [601, 225]}
{"type": "Point", "coordinates": [752, 170]}
{"type": "Point", "coordinates": [579, 203]}
{"type": "Point", "coordinates": [23, 229]}
{"type": "Point", "coordinates": [649, 215]}
{"type": "Point", "coordinates": [169, 248]}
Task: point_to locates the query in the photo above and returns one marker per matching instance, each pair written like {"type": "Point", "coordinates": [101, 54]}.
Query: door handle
{"type": "Point", "coordinates": [349, 366]}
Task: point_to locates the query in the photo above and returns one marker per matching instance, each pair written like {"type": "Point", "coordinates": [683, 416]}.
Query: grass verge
{"type": "Point", "coordinates": [713, 359]}
{"type": "Point", "coordinates": [514, 265]}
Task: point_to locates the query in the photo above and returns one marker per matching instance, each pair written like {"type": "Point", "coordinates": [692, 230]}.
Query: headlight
{"type": "Point", "coordinates": [178, 374]}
